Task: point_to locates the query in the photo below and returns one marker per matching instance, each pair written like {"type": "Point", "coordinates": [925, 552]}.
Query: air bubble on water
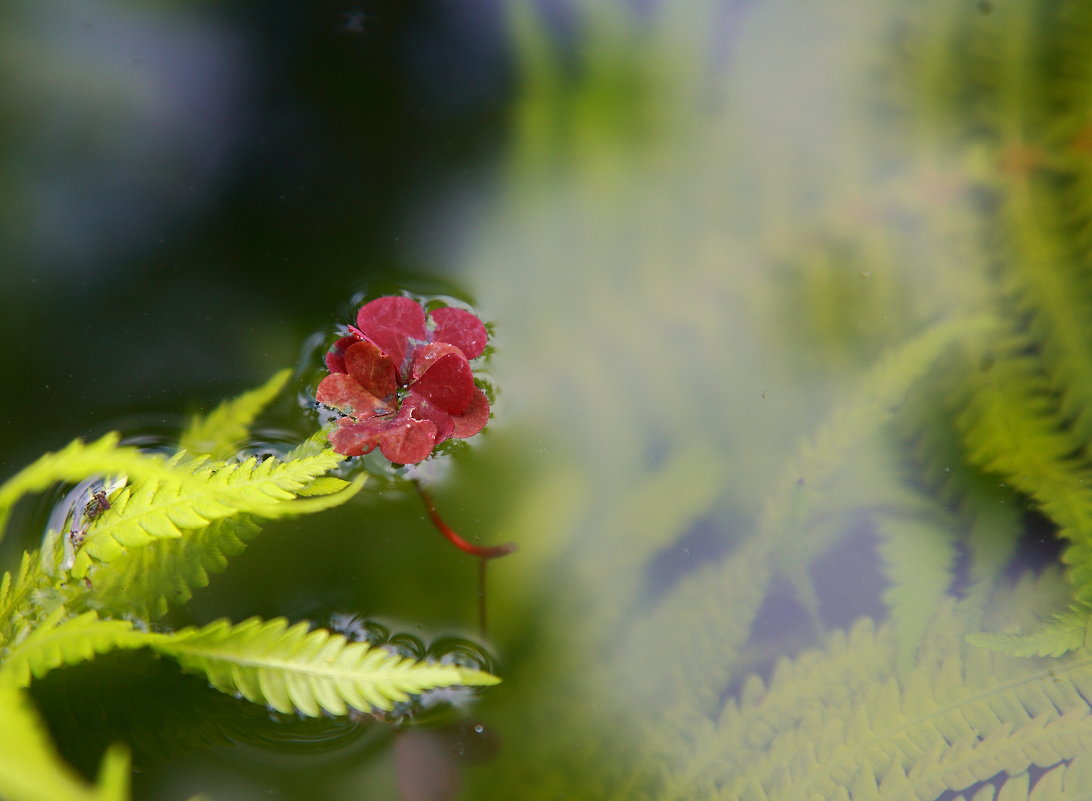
{"type": "Point", "coordinates": [460, 652]}
{"type": "Point", "coordinates": [474, 742]}
{"type": "Point", "coordinates": [406, 645]}
{"type": "Point", "coordinates": [357, 629]}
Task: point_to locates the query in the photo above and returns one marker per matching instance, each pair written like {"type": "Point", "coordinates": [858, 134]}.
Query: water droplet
{"type": "Point", "coordinates": [406, 645]}
{"type": "Point", "coordinates": [457, 651]}
{"type": "Point", "coordinates": [473, 742]}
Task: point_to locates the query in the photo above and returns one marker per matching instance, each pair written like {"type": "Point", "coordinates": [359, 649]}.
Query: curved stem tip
{"type": "Point", "coordinates": [482, 552]}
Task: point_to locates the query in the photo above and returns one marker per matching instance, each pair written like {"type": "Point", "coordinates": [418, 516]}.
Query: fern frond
{"type": "Point", "coordinates": [311, 672]}
{"type": "Point", "coordinates": [702, 666]}
{"type": "Point", "coordinates": [312, 446]}
{"type": "Point", "coordinates": [16, 597]}
{"type": "Point", "coordinates": [1012, 427]}
{"type": "Point", "coordinates": [986, 512]}
{"type": "Point", "coordinates": [1050, 285]}
{"type": "Point", "coordinates": [259, 485]}
{"type": "Point", "coordinates": [219, 433]}
{"type": "Point", "coordinates": [32, 770]}
{"type": "Point", "coordinates": [755, 720]}
{"type": "Point", "coordinates": [919, 557]}
{"type": "Point", "coordinates": [56, 642]}
{"type": "Point", "coordinates": [145, 581]}
{"type": "Point", "coordinates": [77, 461]}
{"type": "Point", "coordinates": [961, 716]}
{"type": "Point", "coordinates": [149, 511]}
{"type": "Point", "coordinates": [1065, 632]}
{"type": "Point", "coordinates": [1068, 782]}
{"type": "Point", "coordinates": [325, 492]}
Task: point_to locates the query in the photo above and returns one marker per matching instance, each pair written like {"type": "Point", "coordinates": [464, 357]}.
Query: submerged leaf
{"type": "Point", "coordinates": [1067, 631]}
{"type": "Point", "coordinates": [959, 716]}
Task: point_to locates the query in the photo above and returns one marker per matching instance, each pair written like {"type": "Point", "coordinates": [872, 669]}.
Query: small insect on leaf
{"type": "Point", "coordinates": [98, 504]}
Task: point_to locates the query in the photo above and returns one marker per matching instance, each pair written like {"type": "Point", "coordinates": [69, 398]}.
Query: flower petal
{"type": "Point", "coordinates": [448, 382]}
{"type": "Point", "coordinates": [408, 440]}
{"type": "Point", "coordinates": [461, 329]}
{"type": "Point", "coordinates": [425, 355]}
{"type": "Point", "coordinates": [424, 409]}
{"type": "Point", "coordinates": [390, 322]}
{"type": "Point", "coordinates": [353, 438]}
{"type": "Point", "coordinates": [340, 391]}
{"type": "Point", "coordinates": [372, 369]}
{"type": "Point", "coordinates": [335, 358]}
{"type": "Point", "coordinates": [473, 420]}
{"type": "Point", "coordinates": [402, 438]}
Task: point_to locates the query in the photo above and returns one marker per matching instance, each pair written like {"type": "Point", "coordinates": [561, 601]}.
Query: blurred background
{"type": "Point", "coordinates": [694, 225]}
{"type": "Point", "coordinates": [191, 189]}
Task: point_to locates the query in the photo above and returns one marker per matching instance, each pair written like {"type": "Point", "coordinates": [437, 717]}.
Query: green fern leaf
{"type": "Point", "coordinates": [219, 433]}
{"type": "Point", "coordinates": [294, 669]}
{"type": "Point", "coordinates": [56, 642]}
{"type": "Point", "coordinates": [31, 769]}
{"type": "Point", "coordinates": [17, 595]}
{"type": "Point", "coordinates": [77, 461]}
{"type": "Point", "coordinates": [704, 665]}
{"type": "Point", "coordinates": [1068, 782]}
{"type": "Point", "coordinates": [207, 491]}
{"type": "Point", "coordinates": [145, 581]}
{"type": "Point", "coordinates": [1066, 632]}
{"type": "Point", "coordinates": [841, 719]}
{"type": "Point", "coordinates": [324, 493]}
{"type": "Point", "coordinates": [987, 512]}
{"type": "Point", "coordinates": [1013, 427]}
{"type": "Point", "coordinates": [919, 559]}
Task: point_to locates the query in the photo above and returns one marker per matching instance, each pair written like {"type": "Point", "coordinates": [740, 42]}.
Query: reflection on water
{"type": "Point", "coordinates": [766, 285]}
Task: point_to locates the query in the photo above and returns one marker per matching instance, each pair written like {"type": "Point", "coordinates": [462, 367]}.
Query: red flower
{"type": "Point", "coordinates": [403, 379]}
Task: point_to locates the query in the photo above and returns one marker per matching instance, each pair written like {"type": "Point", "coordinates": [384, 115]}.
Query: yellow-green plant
{"type": "Point", "coordinates": [826, 298]}
{"type": "Point", "coordinates": [149, 530]}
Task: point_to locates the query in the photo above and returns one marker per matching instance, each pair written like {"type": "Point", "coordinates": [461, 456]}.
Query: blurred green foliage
{"type": "Point", "coordinates": [738, 303]}
{"type": "Point", "coordinates": [791, 306]}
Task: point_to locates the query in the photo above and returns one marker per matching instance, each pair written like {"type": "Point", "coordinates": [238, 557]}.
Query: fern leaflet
{"type": "Point", "coordinates": [219, 433]}
{"type": "Point", "coordinates": [740, 582]}
{"type": "Point", "coordinates": [148, 511]}
{"type": "Point", "coordinates": [77, 461]}
{"type": "Point", "coordinates": [1066, 631]}
{"type": "Point", "coordinates": [30, 768]}
{"type": "Point", "coordinates": [959, 717]}
{"type": "Point", "coordinates": [311, 672]}
{"type": "Point", "coordinates": [54, 643]}
{"type": "Point", "coordinates": [146, 581]}
{"type": "Point", "coordinates": [919, 558]}
{"type": "Point", "coordinates": [16, 596]}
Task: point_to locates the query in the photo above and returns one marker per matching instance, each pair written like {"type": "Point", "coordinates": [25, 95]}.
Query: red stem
{"type": "Point", "coordinates": [482, 552]}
